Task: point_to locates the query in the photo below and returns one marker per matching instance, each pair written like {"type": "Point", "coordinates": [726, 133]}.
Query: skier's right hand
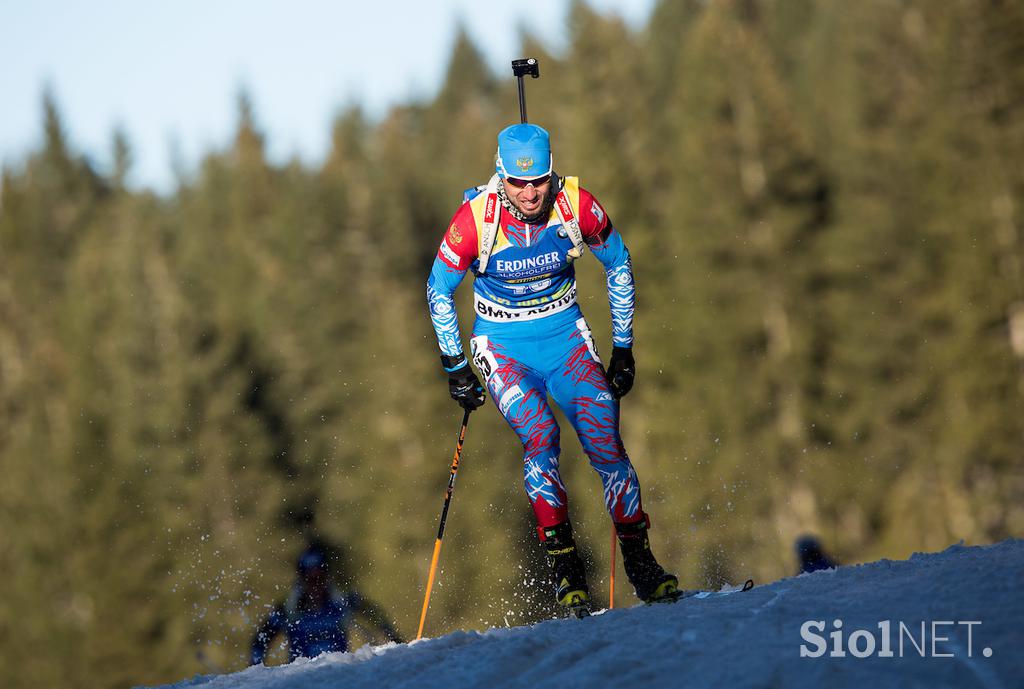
{"type": "Point", "coordinates": [465, 388]}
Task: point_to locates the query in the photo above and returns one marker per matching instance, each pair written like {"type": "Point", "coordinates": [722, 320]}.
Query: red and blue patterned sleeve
{"type": "Point", "coordinates": [606, 243]}
{"type": "Point", "coordinates": [454, 257]}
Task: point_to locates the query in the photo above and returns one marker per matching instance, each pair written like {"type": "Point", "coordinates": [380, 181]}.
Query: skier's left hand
{"type": "Point", "coordinates": [621, 371]}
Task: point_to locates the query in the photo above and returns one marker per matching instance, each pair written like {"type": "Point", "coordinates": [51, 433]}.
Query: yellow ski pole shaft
{"type": "Point", "coordinates": [444, 518]}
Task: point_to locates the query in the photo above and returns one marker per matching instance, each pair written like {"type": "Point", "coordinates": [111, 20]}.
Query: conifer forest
{"type": "Point", "coordinates": [824, 203]}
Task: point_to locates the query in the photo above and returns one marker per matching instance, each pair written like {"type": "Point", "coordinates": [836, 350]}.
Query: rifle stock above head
{"type": "Point", "coordinates": [521, 68]}
{"type": "Point", "coordinates": [526, 67]}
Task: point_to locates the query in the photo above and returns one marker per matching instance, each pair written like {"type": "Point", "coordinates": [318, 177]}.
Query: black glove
{"type": "Point", "coordinates": [463, 385]}
{"type": "Point", "coordinates": [621, 371]}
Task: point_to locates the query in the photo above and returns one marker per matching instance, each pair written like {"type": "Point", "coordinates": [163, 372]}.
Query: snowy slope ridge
{"type": "Point", "coordinates": [949, 619]}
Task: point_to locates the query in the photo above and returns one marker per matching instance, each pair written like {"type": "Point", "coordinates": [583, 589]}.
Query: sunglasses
{"type": "Point", "coordinates": [520, 183]}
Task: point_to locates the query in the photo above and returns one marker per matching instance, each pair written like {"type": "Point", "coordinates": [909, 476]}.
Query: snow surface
{"type": "Point", "coordinates": [748, 639]}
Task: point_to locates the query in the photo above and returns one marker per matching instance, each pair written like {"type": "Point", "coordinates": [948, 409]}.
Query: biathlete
{"type": "Point", "coordinates": [520, 234]}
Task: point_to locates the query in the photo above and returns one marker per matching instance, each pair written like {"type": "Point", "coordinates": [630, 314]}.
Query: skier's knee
{"type": "Point", "coordinates": [541, 444]}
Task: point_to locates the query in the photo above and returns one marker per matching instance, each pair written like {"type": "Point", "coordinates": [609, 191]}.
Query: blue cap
{"type": "Point", "coordinates": [524, 152]}
{"type": "Point", "coordinates": [311, 559]}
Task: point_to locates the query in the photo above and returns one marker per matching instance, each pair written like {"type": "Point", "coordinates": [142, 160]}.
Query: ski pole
{"type": "Point", "coordinates": [521, 68]}
{"type": "Point", "coordinates": [444, 518]}
{"type": "Point", "coordinates": [611, 579]}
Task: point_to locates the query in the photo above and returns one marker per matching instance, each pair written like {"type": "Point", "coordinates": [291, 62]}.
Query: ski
{"type": "Point", "coordinates": [579, 612]}
{"type": "Point", "coordinates": [681, 594]}
{"type": "Point", "coordinates": [700, 595]}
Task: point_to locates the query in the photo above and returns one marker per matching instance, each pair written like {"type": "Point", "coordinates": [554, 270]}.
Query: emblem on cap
{"type": "Point", "coordinates": [524, 164]}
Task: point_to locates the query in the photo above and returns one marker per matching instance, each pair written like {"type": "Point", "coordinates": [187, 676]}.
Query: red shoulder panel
{"type": "Point", "coordinates": [458, 248]}
{"type": "Point", "coordinates": [594, 221]}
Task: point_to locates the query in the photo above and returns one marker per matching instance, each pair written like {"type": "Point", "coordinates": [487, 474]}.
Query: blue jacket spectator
{"type": "Point", "coordinates": [810, 555]}
{"type": "Point", "coordinates": [316, 616]}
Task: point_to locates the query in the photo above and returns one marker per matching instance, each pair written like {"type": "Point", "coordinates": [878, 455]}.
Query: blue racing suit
{"type": "Point", "coordinates": [311, 631]}
{"type": "Point", "coordinates": [530, 340]}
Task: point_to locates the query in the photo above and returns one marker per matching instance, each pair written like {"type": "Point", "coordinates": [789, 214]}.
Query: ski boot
{"type": "Point", "coordinates": [651, 583]}
{"type": "Point", "coordinates": [570, 579]}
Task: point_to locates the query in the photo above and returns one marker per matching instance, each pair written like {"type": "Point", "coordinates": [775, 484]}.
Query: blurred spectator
{"type": "Point", "coordinates": [316, 615]}
{"type": "Point", "coordinates": [810, 555]}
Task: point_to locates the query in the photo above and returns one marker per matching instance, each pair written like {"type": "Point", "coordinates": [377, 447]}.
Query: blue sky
{"type": "Point", "coordinates": [169, 73]}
